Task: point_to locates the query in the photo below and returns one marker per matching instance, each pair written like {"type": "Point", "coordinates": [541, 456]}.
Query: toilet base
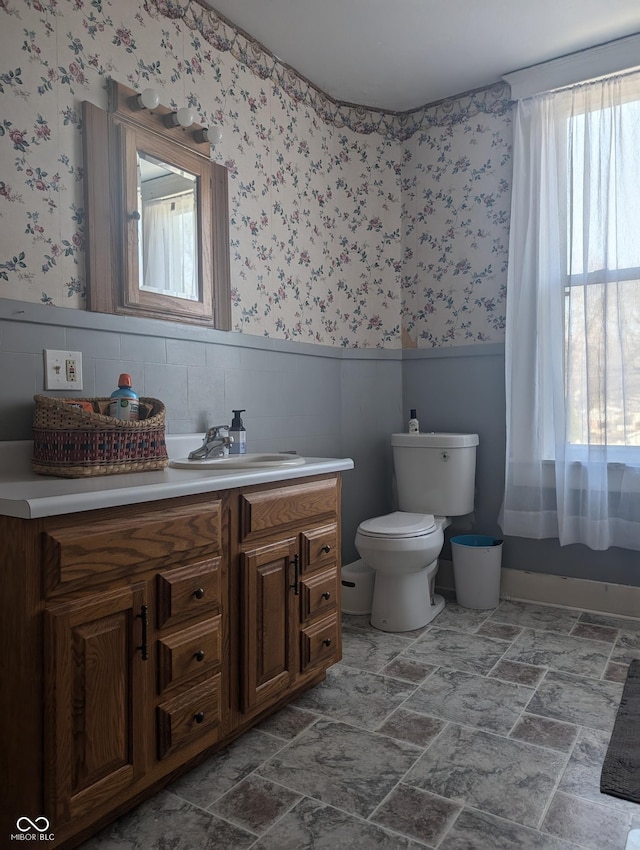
{"type": "Point", "coordinates": [405, 602]}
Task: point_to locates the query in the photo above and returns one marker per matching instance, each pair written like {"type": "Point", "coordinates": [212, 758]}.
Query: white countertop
{"type": "Point", "coordinates": [29, 496]}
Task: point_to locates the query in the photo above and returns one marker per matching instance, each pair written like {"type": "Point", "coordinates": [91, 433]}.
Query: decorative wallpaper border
{"type": "Point", "coordinates": [224, 36]}
{"type": "Point", "coordinates": [492, 101]}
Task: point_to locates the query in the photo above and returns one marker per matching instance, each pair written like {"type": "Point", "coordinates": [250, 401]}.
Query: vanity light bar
{"type": "Point", "coordinates": [148, 100]}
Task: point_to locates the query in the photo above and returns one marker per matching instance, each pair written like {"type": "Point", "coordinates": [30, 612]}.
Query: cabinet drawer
{"type": "Point", "coordinates": [193, 714]}
{"type": "Point", "coordinates": [319, 593]}
{"type": "Point", "coordinates": [319, 546]}
{"type": "Point", "coordinates": [188, 591]}
{"type": "Point", "coordinates": [268, 511]}
{"type": "Point", "coordinates": [320, 643]}
{"type": "Point", "coordinates": [189, 652]}
{"type": "Point", "coordinates": [119, 544]}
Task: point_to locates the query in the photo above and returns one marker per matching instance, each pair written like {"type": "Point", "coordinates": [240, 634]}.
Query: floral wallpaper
{"type": "Point", "coordinates": [349, 227]}
{"type": "Point", "coordinates": [456, 191]}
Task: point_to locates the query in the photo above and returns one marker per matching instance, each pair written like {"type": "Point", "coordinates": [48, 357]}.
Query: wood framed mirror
{"type": "Point", "coordinates": [157, 216]}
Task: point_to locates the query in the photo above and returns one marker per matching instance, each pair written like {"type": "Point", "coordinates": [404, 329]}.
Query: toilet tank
{"type": "Point", "coordinates": [435, 472]}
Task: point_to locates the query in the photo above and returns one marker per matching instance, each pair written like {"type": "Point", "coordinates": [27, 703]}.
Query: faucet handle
{"type": "Point", "coordinates": [214, 431]}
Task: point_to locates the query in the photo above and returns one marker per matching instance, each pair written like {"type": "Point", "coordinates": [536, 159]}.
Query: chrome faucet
{"type": "Point", "coordinates": [216, 443]}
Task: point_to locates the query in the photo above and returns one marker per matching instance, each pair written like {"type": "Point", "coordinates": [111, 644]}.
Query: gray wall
{"type": "Point", "coordinates": [317, 400]}
{"type": "Point", "coordinates": [371, 411]}
{"type": "Point", "coordinates": [462, 389]}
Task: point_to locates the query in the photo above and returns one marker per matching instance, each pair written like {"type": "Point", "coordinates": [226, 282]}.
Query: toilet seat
{"type": "Point", "coordinates": [398, 525]}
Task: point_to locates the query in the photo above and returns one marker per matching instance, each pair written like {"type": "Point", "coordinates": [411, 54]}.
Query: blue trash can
{"type": "Point", "coordinates": [477, 561]}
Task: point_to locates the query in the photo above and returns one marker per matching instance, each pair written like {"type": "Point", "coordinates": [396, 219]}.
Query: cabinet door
{"type": "Point", "coordinates": [269, 622]}
{"type": "Point", "coordinates": [95, 699]}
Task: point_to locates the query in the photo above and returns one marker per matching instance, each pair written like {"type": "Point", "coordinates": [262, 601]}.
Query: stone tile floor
{"type": "Point", "coordinates": [486, 730]}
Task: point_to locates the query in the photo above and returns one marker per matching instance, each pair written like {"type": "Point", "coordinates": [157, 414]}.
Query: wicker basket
{"type": "Point", "coordinates": [74, 443]}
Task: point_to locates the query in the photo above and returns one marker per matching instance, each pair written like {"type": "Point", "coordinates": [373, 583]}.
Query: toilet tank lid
{"type": "Point", "coordinates": [435, 439]}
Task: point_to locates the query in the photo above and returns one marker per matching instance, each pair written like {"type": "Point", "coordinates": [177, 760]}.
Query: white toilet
{"type": "Point", "coordinates": [435, 477]}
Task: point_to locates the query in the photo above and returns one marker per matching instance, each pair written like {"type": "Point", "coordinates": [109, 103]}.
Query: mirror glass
{"type": "Point", "coordinates": [168, 229]}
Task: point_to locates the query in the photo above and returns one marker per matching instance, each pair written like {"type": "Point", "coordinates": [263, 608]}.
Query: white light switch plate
{"type": "Point", "coordinates": [62, 370]}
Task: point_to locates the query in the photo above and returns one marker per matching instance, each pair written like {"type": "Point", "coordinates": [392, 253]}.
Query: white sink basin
{"type": "Point", "coordinates": [248, 461]}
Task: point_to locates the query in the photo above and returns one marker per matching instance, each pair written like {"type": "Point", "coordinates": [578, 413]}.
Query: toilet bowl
{"type": "Point", "coordinates": [435, 478]}
{"type": "Point", "coordinates": [403, 550]}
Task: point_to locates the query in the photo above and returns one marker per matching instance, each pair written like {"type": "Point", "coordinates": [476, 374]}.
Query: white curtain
{"type": "Point", "coordinates": [573, 318]}
{"type": "Point", "coordinates": [169, 253]}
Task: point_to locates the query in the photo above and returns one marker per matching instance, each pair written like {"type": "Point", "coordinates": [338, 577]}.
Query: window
{"type": "Point", "coordinates": [573, 317]}
{"type": "Point", "coordinates": [602, 297]}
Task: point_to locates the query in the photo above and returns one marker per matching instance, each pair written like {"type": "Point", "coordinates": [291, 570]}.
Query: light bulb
{"type": "Point", "coordinates": [215, 134]}
{"type": "Point", "coordinates": [148, 98]}
{"type": "Point", "coordinates": [185, 116]}
{"type": "Point", "coordinates": [212, 134]}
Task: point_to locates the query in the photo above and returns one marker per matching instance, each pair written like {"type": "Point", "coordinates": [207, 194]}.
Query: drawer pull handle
{"type": "Point", "coordinates": [326, 595]}
{"type": "Point", "coordinates": [296, 576]}
{"type": "Point", "coordinates": [199, 593]}
{"type": "Point", "coordinates": [199, 655]}
{"type": "Point", "coordinates": [199, 717]}
{"type": "Point", "coordinates": [144, 617]}
{"type": "Point", "coordinates": [326, 548]}
{"type": "Point", "coordinates": [327, 641]}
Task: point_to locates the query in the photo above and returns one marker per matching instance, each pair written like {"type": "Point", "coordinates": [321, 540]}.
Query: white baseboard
{"type": "Point", "coordinates": [566, 592]}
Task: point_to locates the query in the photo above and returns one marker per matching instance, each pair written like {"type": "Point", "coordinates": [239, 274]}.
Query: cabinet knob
{"type": "Point", "coordinates": [199, 593]}
{"type": "Point", "coordinates": [327, 641]}
{"type": "Point", "coordinates": [199, 655]}
{"type": "Point", "coordinates": [326, 595]}
{"type": "Point", "coordinates": [199, 717]}
{"type": "Point", "coordinates": [326, 548]}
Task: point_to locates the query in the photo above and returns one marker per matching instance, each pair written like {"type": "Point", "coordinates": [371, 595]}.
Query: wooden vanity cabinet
{"type": "Point", "coordinates": [114, 636]}
{"type": "Point", "coordinates": [288, 545]}
{"type": "Point", "coordinates": [133, 636]}
{"type": "Point", "coordinates": [135, 640]}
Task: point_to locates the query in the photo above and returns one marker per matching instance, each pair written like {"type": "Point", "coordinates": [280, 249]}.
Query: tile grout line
{"type": "Point", "coordinates": [216, 816]}
{"type": "Point", "coordinates": [367, 819]}
{"type": "Point", "coordinates": [283, 815]}
{"type": "Point", "coordinates": [409, 785]}
{"type": "Point", "coordinates": [556, 785]}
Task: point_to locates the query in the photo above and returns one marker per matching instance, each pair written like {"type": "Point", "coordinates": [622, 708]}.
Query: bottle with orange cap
{"type": "Point", "coordinates": [124, 401]}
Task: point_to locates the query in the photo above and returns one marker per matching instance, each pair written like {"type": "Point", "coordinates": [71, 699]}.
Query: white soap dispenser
{"type": "Point", "coordinates": [414, 425]}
